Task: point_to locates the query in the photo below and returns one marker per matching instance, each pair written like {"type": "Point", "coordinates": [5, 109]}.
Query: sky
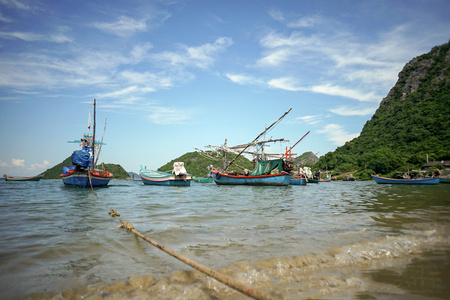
{"type": "Point", "coordinates": [170, 76]}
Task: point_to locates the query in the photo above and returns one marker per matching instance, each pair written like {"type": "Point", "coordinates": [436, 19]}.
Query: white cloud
{"type": "Point", "coordinates": [16, 4]}
{"type": "Point", "coordinates": [311, 120]}
{"type": "Point", "coordinates": [329, 89]}
{"type": "Point", "coordinates": [168, 116]}
{"type": "Point", "coordinates": [3, 164]}
{"type": "Point", "coordinates": [119, 93]}
{"type": "Point", "coordinates": [308, 21]}
{"type": "Point", "coordinates": [41, 166]}
{"type": "Point", "coordinates": [18, 162]}
{"type": "Point", "coordinates": [276, 15]}
{"type": "Point", "coordinates": [201, 57]}
{"type": "Point", "coordinates": [242, 79]}
{"type": "Point", "coordinates": [337, 134]}
{"type": "Point", "coordinates": [354, 111]}
{"type": "Point", "coordinates": [287, 84]}
{"type": "Point", "coordinates": [124, 26]}
{"type": "Point", "coordinates": [58, 37]}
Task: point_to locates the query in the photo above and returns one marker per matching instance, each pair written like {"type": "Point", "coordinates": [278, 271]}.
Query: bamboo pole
{"type": "Point", "coordinates": [249, 144]}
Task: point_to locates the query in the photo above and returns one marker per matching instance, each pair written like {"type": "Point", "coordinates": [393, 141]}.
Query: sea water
{"type": "Point", "coordinates": [337, 240]}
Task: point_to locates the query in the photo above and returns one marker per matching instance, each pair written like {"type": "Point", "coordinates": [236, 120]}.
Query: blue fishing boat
{"type": "Point", "coordinates": [425, 180]}
{"type": "Point", "coordinates": [298, 181]}
{"type": "Point", "coordinates": [266, 172]}
{"type": "Point", "coordinates": [178, 177]}
{"type": "Point", "coordinates": [82, 173]}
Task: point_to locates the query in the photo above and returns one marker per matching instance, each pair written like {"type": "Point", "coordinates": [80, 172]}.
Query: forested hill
{"type": "Point", "coordinates": [196, 164]}
{"type": "Point", "coordinates": [411, 122]}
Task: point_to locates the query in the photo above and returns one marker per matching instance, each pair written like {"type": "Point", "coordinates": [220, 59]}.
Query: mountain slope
{"type": "Point", "coordinates": [411, 122]}
{"type": "Point", "coordinates": [197, 164]}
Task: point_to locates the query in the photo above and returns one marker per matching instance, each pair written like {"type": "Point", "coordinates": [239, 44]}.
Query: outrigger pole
{"type": "Point", "coordinates": [290, 149]}
{"type": "Point", "coordinates": [267, 129]}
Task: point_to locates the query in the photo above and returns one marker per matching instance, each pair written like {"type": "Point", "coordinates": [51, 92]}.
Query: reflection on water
{"type": "Point", "coordinates": [329, 240]}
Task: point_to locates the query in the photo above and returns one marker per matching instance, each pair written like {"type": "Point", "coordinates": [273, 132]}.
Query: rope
{"type": "Point", "coordinates": [246, 290]}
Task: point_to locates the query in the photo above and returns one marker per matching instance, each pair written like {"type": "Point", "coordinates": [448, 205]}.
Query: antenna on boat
{"type": "Point", "coordinates": [267, 129]}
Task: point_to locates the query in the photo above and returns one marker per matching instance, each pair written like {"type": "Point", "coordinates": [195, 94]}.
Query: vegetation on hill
{"type": "Point", "coordinates": [411, 123]}
{"type": "Point", "coordinates": [56, 171]}
{"type": "Point", "coordinates": [196, 164]}
{"type": "Point", "coordinates": [307, 158]}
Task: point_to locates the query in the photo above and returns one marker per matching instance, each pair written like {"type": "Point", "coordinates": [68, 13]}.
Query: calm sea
{"type": "Point", "coordinates": [338, 240]}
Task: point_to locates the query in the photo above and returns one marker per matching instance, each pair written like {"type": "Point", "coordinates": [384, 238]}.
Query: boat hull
{"type": "Point", "coordinates": [298, 181]}
{"type": "Point", "coordinates": [384, 180]}
{"type": "Point", "coordinates": [310, 180]}
{"type": "Point", "coordinates": [203, 180]}
{"type": "Point", "coordinates": [81, 179]}
{"type": "Point", "coordinates": [32, 178]}
{"type": "Point", "coordinates": [280, 179]}
{"type": "Point", "coordinates": [169, 180]}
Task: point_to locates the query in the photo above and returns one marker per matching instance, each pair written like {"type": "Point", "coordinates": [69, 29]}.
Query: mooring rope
{"type": "Point", "coordinates": [244, 289]}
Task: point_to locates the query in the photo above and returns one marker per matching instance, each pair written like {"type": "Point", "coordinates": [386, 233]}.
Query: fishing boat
{"type": "Point", "coordinates": [425, 180]}
{"type": "Point", "coordinates": [203, 179]}
{"type": "Point", "coordinates": [310, 178]}
{"type": "Point", "coordinates": [178, 177]}
{"type": "Point", "coordinates": [299, 177]}
{"type": "Point", "coordinates": [83, 173]}
{"type": "Point", "coordinates": [298, 181]}
{"type": "Point", "coordinates": [18, 178]}
{"type": "Point", "coordinates": [266, 172]}
{"type": "Point", "coordinates": [207, 179]}
{"type": "Point", "coordinates": [444, 180]}
{"type": "Point", "coordinates": [271, 172]}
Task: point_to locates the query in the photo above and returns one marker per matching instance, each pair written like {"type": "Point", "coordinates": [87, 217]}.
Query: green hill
{"type": "Point", "coordinates": [196, 164]}
{"type": "Point", "coordinates": [411, 123]}
{"type": "Point", "coordinates": [54, 172]}
{"type": "Point", "coordinates": [307, 158]}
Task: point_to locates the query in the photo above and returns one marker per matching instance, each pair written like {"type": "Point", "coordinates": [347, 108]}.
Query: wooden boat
{"type": "Point", "coordinates": [309, 175]}
{"type": "Point", "coordinates": [266, 172]}
{"type": "Point", "coordinates": [312, 180]}
{"type": "Point", "coordinates": [444, 180]}
{"type": "Point", "coordinates": [83, 174]}
{"type": "Point", "coordinates": [203, 179]}
{"type": "Point", "coordinates": [298, 181]}
{"type": "Point", "coordinates": [179, 176]}
{"type": "Point", "coordinates": [384, 180]}
{"type": "Point", "coordinates": [17, 178]}
{"type": "Point", "coordinates": [298, 177]}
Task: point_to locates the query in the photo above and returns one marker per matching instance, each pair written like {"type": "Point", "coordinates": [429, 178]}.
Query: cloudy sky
{"type": "Point", "coordinates": [173, 75]}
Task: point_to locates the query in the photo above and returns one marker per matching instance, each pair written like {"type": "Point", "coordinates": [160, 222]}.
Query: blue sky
{"type": "Point", "coordinates": [174, 75]}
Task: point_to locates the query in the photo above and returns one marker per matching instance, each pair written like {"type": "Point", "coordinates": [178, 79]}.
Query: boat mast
{"type": "Point", "coordinates": [93, 142]}
{"type": "Point", "coordinates": [262, 133]}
